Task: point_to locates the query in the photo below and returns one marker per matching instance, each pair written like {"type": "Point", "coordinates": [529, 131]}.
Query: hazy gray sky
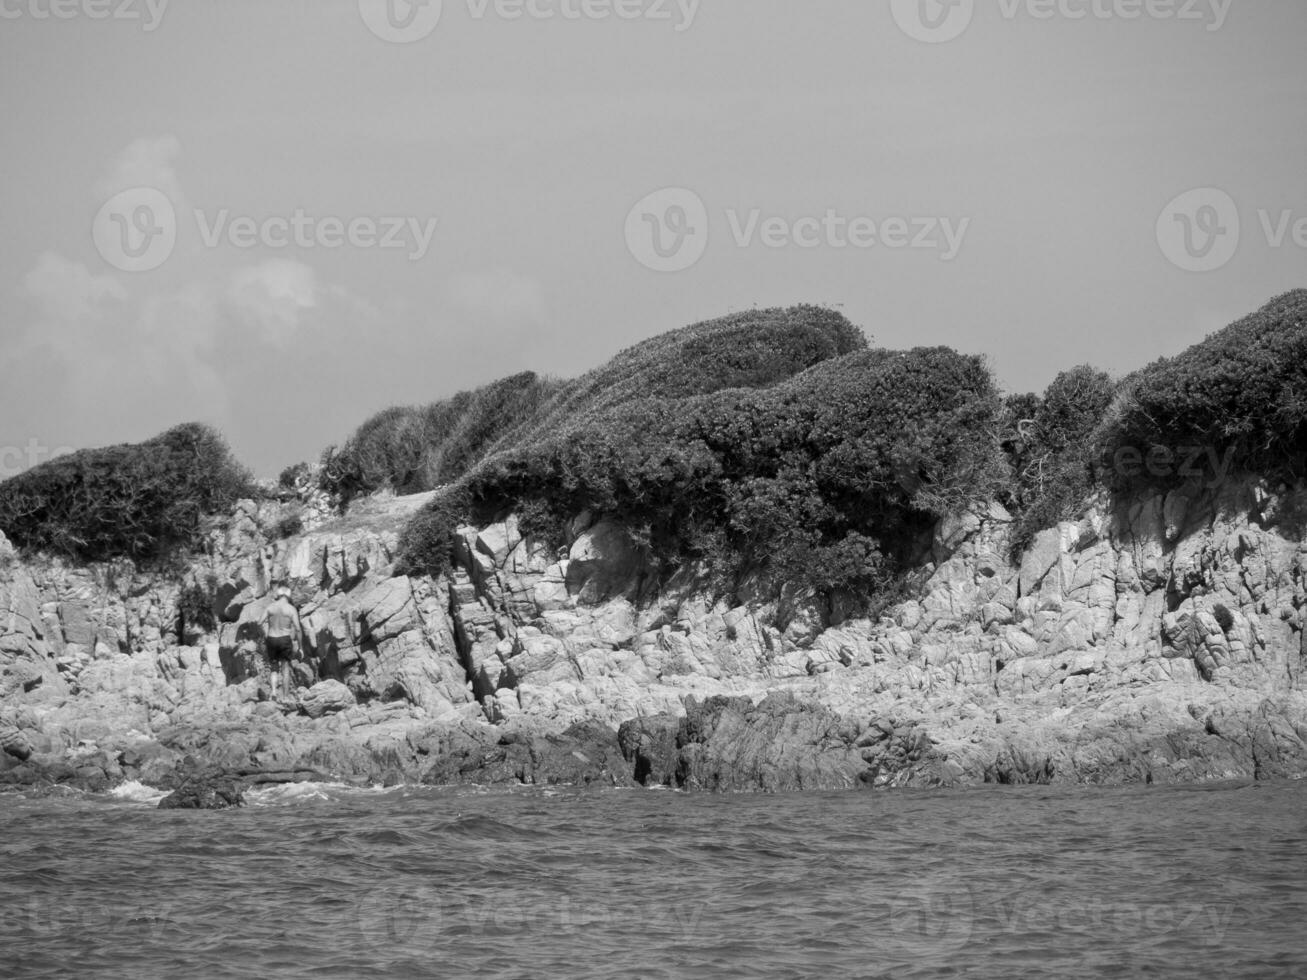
{"type": "Point", "coordinates": [1033, 157]}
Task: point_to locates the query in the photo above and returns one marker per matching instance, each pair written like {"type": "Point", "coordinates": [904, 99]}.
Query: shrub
{"type": "Point", "coordinates": [1055, 462]}
{"type": "Point", "coordinates": [426, 546]}
{"type": "Point", "coordinates": [290, 525]}
{"type": "Point", "coordinates": [195, 607]}
{"type": "Point", "coordinates": [825, 478]}
{"type": "Point", "coordinates": [754, 349]}
{"type": "Point", "coordinates": [411, 450]}
{"type": "Point", "coordinates": [292, 476]}
{"type": "Point", "coordinates": [1224, 618]}
{"type": "Point", "coordinates": [137, 501]}
{"type": "Point", "coordinates": [1243, 389]}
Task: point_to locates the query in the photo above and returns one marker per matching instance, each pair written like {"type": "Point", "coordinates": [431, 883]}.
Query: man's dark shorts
{"type": "Point", "coordinates": [280, 648]}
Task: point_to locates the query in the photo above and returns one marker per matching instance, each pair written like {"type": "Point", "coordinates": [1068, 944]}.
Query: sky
{"type": "Point", "coordinates": [281, 216]}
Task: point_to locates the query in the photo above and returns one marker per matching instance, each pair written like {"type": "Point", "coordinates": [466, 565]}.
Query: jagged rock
{"type": "Point", "coordinates": [1080, 662]}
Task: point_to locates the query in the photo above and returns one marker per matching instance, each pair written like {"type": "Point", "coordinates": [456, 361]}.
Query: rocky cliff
{"type": "Point", "coordinates": [1160, 638]}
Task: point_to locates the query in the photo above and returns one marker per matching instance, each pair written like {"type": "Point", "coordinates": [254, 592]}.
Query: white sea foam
{"type": "Point", "coordinates": [283, 794]}
{"type": "Point", "coordinates": [136, 792]}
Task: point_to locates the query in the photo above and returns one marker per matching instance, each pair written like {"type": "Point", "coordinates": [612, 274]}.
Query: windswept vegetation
{"type": "Point", "coordinates": [1234, 403]}
{"type": "Point", "coordinates": [138, 501]}
{"type": "Point", "coordinates": [410, 450]}
{"type": "Point", "coordinates": [772, 445]}
{"type": "Point", "coordinates": [1053, 449]}
{"type": "Point", "coordinates": [1243, 389]}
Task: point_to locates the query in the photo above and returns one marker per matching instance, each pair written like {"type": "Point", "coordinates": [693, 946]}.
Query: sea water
{"type": "Point", "coordinates": [321, 881]}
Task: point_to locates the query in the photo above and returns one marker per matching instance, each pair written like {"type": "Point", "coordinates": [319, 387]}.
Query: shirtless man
{"type": "Point", "coordinates": [281, 631]}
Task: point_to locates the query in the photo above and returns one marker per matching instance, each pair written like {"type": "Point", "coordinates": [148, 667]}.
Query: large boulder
{"type": "Point", "coordinates": [326, 698]}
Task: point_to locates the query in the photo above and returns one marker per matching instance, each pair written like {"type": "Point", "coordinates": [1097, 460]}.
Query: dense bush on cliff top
{"type": "Point", "coordinates": [1243, 389]}
{"type": "Point", "coordinates": [1238, 398]}
{"type": "Point", "coordinates": [138, 501]}
{"type": "Point", "coordinates": [416, 449]}
{"type": "Point", "coordinates": [770, 440]}
{"type": "Point", "coordinates": [1052, 443]}
{"type": "Point", "coordinates": [775, 443]}
{"type": "Point", "coordinates": [799, 453]}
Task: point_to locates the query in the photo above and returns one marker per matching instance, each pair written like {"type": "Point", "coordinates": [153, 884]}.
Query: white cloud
{"type": "Point", "coordinates": [63, 290]}
{"type": "Point", "coordinates": [273, 297]}
{"type": "Point", "coordinates": [500, 295]}
{"type": "Point", "coordinates": [146, 162]}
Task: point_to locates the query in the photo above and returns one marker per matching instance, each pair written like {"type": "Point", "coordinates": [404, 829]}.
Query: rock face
{"type": "Point", "coordinates": [1159, 639]}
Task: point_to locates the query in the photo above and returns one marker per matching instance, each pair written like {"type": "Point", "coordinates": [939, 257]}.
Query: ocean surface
{"type": "Point", "coordinates": [537, 883]}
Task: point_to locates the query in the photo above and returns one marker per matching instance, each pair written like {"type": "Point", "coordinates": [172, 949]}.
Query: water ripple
{"type": "Point", "coordinates": [409, 881]}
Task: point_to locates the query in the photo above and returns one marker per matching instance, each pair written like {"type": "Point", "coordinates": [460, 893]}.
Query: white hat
{"type": "Point", "coordinates": [283, 593]}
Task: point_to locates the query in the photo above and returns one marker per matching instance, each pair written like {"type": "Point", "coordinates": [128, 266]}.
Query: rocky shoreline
{"type": "Point", "coordinates": [1158, 639]}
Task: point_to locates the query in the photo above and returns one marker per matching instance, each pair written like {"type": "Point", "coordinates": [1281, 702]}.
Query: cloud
{"type": "Point", "coordinates": [106, 369]}
{"type": "Point", "coordinates": [146, 162]}
{"type": "Point", "coordinates": [273, 298]}
{"type": "Point", "coordinates": [66, 291]}
{"type": "Point", "coordinates": [500, 295]}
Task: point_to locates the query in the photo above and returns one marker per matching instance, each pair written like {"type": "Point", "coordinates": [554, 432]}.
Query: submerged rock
{"type": "Point", "coordinates": [205, 792]}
